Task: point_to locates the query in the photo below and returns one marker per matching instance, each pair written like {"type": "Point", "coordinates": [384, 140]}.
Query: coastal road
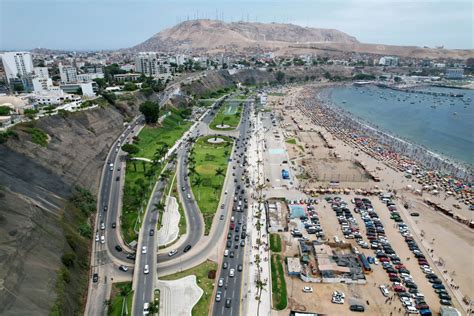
{"type": "Point", "coordinates": [237, 237]}
{"type": "Point", "coordinates": [100, 257]}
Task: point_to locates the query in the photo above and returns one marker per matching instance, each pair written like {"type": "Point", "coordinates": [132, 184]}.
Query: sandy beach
{"type": "Point", "coordinates": [319, 156]}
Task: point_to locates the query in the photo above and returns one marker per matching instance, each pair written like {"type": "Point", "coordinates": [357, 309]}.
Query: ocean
{"type": "Point", "coordinates": [444, 125]}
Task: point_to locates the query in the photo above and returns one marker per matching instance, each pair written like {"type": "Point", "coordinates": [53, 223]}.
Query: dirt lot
{"type": "Point", "coordinates": [320, 300]}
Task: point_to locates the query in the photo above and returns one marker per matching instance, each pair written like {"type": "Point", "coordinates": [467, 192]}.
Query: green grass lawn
{"type": "Point", "coordinates": [279, 294]}
{"type": "Point", "coordinates": [202, 278]}
{"type": "Point", "coordinates": [228, 119]}
{"type": "Point", "coordinates": [137, 190]}
{"type": "Point", "coordinates": [152, 138]}
{"type": "Point", "coordinates": [291, 141]}
{"type": "Point", "coordinates": [206, 102]}
{"type": "Point", "coordinates": [119, 293]}
{"type": "Point", "coordinates": [275, 243]}
{"type": "Point", "coordinates": [209, 158]}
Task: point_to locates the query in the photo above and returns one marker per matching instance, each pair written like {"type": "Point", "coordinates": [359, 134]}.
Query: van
{"type": "Point", "coordinates": [336, 239]}
{"type": "Point", "coordinates": [232, 219]}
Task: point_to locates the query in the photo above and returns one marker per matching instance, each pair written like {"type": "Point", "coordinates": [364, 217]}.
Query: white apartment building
{"type": "Point", "coordinates": [388, 61]}
{"type": "Point", "coordinates": [454, 73]}
{"type": "Point", "coordinates": [151, 65]}
{"type": "Point", "coordinates": [41, 72]}
{"type": "Point", "coordinates": [41, 84]}
{"type": "Point", "coordinates": [17, 65]}
{"type": "Point", "coordinates": [88, 77]}
{"type": "Point", "coordinates": [68, 74]}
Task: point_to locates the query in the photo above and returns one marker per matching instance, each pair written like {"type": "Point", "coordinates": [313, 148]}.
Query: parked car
{"type": "Point", "coordinates": [308, 289]}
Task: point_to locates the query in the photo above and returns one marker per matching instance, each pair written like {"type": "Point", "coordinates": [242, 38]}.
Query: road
{"type": "Point", "coordinates": [236, 240]}
{"type": "Point", "coordinates": [109, 192]}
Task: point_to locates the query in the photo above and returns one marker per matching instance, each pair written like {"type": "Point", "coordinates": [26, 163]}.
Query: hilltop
{"type": "Point", "coordinates": [215, 37]}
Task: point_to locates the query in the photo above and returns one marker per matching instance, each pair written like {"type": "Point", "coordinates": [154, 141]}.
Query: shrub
{"type": "Point", "coordinates": [68, 259]}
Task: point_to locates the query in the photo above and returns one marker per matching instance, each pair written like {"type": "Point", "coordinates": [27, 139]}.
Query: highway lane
{"type": "Point", "coordinates": [100, 255]}
{"type": "Point", "coordinates": [232, 286]}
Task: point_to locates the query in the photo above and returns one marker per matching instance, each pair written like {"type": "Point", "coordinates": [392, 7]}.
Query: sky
{"type": "Point", "coordinates": [113, 24]}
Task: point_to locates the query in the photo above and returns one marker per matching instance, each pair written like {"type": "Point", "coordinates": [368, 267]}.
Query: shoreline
{"type": "Point", "coordinates": [390, 151]}
{"type": "Point", "coordinates": [461, 165]}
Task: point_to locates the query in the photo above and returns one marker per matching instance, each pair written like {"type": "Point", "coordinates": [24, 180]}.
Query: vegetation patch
{"type": "Point", "coordinates": [150, 138]}
{"type": "Point", "coordinates": [207, 168]}
{"type": "Point", "coordinates": [275, 243]}
{"type": "Point", "coordinates": [291, 141]}
{"type": "Point", "coordinates": [72, 278]}
{"type": "Point", "coordinates": [37, 136]}
{"type": "Point", "coordinates": [140, 177]}
{"type": "Point", "coordinates": [279, 295]}
{"type": "Point", "coordinates": [227, 116]}
{"type": "Point", "coordinates": [121, 297]}
{"type": "Point", "coordinates": [202, 273]}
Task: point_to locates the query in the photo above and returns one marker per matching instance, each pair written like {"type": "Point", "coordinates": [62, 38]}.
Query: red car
{"type": "Point", "coordinates": [384, 259]}
{"type": "Point", "coordinates": [400, 266]}
{"type": "Point", "coordinates": [232, 226]}
{"type": "Point", "coordinates": [392, 275]}
{"type": "Point", "coordinates": [398, 288]}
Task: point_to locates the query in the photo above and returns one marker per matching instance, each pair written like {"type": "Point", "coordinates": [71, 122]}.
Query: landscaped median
{"type": "Point", "coordinates": [228, 116]}
{"type": "Point", "coordinates": [141, 175]}
{"type": "Point", "coordinates": [205, 277]}
{"type": "Point", "coordinates": [121, 298]}
{"type": "Point", "coordinates": [207, 167]}
{"type": "Point", "coordinates": [279, 294]}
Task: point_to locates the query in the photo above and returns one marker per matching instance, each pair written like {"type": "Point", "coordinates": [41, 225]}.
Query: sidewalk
{"type": "Point", "coordinates": [178, 297]}
{"type": "Point", "coordinates": [255, 300]}
{"type": "Point", "coordinates": [169, 230]}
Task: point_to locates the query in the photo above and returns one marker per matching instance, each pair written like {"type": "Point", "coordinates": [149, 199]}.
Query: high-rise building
{"type": "Point", "coordinates": [68, 74]}
{"type": "Point", "coordinates": [41, 72]}
{"type": "Point", "coordinates": [150, 65]}
{"type": "Point", "coordinates": [17, 65]}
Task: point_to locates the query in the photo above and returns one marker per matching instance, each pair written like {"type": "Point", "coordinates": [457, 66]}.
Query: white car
{"type": "Point", "coordinates": [146, 270]}
{"type": "Point", "coordinates": [231, 272]}
{"type": "Point", "coordinates": [221, 282]}
{"type": "Point", "coordinates": [411, 310]}
{"type": "Point", "coordinates": [102, 239]}
{"type": "Point", "coordinates": [308, 289]}
{"type": "Point", "coordinates": [384, 290]}
{"type": "Point", "coordinates": [226, 252]}
{"type": "Point", "coordinates": [97, 238]}
{"type": "Point", "coordinates": [340, 294]}
{"type": "Point", "coordinates": [172, 252]}
{"type": "Point", "coordinates": [144, 249]}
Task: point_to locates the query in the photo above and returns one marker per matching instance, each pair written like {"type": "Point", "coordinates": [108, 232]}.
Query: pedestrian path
{"type": "Point", "coordinates": [169, 230]}
{"type": "Point", "coordinates": [178, 297]}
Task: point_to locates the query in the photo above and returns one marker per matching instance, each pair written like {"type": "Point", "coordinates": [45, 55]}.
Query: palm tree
{"type": "Point", "coordinates": [134, 165]}
{"type": "Point", "coordinates": [158, 206]}
{"type": "Point", "coordinates": [220, 172]}
{"type": "Point", "coordinates": [144, 166]}
{"type": "Point", "coordinates": [197, 181]}
{"type": "Point", "coordinates": [192, 170]}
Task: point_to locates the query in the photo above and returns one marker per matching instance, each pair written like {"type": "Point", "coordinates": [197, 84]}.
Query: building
{"type": "Point", "coordinates": [41, 72]}
{"type": "Point", "coordinates": [68, 74]}
{"type": "Point", "coordinates": [17, 65]}
{"type": "Point", "coordinates": [388, 61]}
{"type": "Point", "coordinates": [454, 73]}
{"type": "Point", "coordinates": [127, 77]}
{"type": "Point", "coordinates": [88, 89]}
{"type": "Point", "coordinates": [294, 266]}
{"type": "Point", "coordinates": [88, 77]}
{"type": "Point", "coordinates": [55, 98]}
{"type": "Point", "coordinates": [42, 84]}
{"type": "Point", "coordinates": [151, 65]}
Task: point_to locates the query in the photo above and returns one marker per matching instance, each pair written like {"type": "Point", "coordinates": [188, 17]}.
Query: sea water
{"type": "Point", "coordinates": [442, 124]}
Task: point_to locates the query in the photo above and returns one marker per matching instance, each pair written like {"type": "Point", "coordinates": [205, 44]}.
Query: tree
{"type": "Point", "coordinates": [68, 259]}
{"type": "Point", "coordinates": [151, 111]}
{"type": "Point", "coordinates": [18, 87]}
{"type": "Point", "coordinates": [130, 86]}
{"type": "Point", "coordinates": [220, 172]}
{"type": "Point", "coordinates": [130, 149]}
{"type": "Point", "coordinates": [280, 76]}
{"type": "Point", "coordinates": [198, 182]}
